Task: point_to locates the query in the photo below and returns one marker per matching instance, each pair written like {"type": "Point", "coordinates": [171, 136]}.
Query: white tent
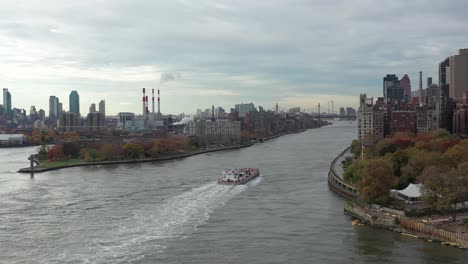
{"type": "Point", "coordinates": [411, 193]}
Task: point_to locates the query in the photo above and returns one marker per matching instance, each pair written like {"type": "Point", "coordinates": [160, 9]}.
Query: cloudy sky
{"type": "Point", "coordinates": [294, 52]}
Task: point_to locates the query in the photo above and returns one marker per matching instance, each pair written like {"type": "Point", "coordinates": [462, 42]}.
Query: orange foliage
{"type": "Point", "coordinates": [55, 153]}
{"type": "Point", "coordinates": [403, 140]}
{"type": "Point", "coordinates": [170, 144]}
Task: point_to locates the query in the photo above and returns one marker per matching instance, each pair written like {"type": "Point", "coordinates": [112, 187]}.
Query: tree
{"type": "Point", "coordinates": [355, 148]}
{"type": "Point", "coordinates": [55, 153]}
{"type": "Point", "coordinates": [418, 160]}
{"type": "Point", "coordinates": [376, 180]}
{"type": "Point", "coordinates": [71, 149]}
{"type": "Point", "coordinates": [109, 151]}
{"type": "Point", "coordinates": [89, 154]}
{"type": "Point", "coordinates": [245, 136]}
{"type": "Point", "coordinates": [133, 150]}
{"type": "Point", "coordinates": [385, 146]}
{"type": "Point", "coordinates": [402, 140]}
{"type": "Point", "coordinates": [70, 136]}
{"type": "Point", "coordinates": [399, 160]}
{"type": "Point", "coordinates": [353, 172]}
{"type": "Point", "coordinates": [442, 189]}
{"type": "Point", "coordinates": [457, 154]}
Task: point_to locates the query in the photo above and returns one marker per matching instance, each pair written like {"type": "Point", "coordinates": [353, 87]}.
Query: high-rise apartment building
{"type": "Point", "coordinates": [92, 108]}
{"type": "Point", "coordinates": [102, 107]}
{"type": "Point", "coordinates": [69, 122]}
{"type": "Point", "coordinates": [370, 119]}
{"type": "Point", "coordinates": [7, 108]}
{"type": "Point", "coordinates": [59, 108]}
{"type": "Point", "coordinates": [445, 102]}
{"type": "Point", "coordinates": [405, 84]}
{"type": "Point", "coordinates": [393, 92]}
{"type": "Point", "coordinates": [53, 107]}
{"type": "Point", "coordinates": [243, 109]}
{"type": "Point", "coordinates": [460, 115]}
{"type": "Point", "coordinates": [429, 81]}
{"type": "Point", "coordinates": [95, 122]}
{"type": "Point", "coordinates": [403, 121]}
{"type": "Point", "coordinates": [74, 102]}
{"type": "Point", "coordinates": [458, 74]}
{"type": "Point", "coordinates": [41, 114]}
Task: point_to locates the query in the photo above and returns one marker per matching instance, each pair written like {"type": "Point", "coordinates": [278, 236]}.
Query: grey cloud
{"type": "Point", "coordinates": [305, 47]}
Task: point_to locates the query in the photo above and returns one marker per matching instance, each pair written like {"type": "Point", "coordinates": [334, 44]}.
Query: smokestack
{"type": "Point", "coordinates": [159, 104]}
{"type": "Point", "coordinates": [144, 94]}
{"type": "Point", "coordinates": [153, 99]}
{"type": "Point", "coordinates": [212, 113]}
{"type": "Point", "coordinates": [420, 88]}
{"type": "Point", "coordinates": [146, 105]}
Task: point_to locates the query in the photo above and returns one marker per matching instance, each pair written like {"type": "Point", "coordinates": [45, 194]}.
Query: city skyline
{"type": "Point", "coordinates": [207, 52]}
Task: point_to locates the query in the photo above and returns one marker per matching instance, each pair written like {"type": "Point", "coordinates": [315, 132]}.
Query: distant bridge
{"type": "Point", "coordinates": [332, 116]}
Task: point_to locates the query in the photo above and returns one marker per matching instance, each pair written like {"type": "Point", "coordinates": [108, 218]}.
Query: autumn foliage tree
{"type": "Point", "coordinates": [133, 150]}
{"type": "Point", "coordinates": [376, 181]}
{"type": "Point", "coordinates": [445, 186]}
{"type": "Point", "coordinates": [55, 153]}
{"type": "Point", "coordinates": [109, 151]}
{"type": "Point", "coordinates": [165, 146]}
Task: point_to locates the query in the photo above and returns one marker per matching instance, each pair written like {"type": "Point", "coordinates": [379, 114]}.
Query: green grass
{"type": "Point", "coordinates": [53, 164]}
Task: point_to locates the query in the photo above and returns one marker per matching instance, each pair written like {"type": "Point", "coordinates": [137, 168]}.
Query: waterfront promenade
{"type": "Point", "coordinates": [335, 177]}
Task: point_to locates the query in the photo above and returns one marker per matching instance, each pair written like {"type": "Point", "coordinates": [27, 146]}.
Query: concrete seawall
{"type": "Point", "coordinates": [336, 182]}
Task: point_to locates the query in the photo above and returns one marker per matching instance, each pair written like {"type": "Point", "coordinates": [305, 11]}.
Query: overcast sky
{"type": "Point", "coordinates": [293, 52]}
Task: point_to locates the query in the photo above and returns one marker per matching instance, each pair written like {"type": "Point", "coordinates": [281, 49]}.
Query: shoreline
{"type": "Point", "coordinates": [395, 221]}
{"type": "Point", "coordinates": [173, 157]}
{"type": "Point", "coordinates": [387, 218]}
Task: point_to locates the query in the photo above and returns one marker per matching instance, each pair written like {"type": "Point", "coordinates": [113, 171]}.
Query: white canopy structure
{"type": "Point", "coordinates": [412, 193]}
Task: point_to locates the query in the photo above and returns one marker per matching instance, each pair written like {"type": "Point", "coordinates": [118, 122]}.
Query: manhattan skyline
{"type": "Point", "coordinates": [295, 53]}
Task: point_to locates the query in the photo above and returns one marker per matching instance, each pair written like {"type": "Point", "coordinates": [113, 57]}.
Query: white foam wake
{"type": "Point", "coordinates": [178, 217]}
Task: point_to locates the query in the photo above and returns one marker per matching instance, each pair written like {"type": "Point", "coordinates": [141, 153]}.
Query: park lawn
{"type": "Point", "coordinates": [60, 163]}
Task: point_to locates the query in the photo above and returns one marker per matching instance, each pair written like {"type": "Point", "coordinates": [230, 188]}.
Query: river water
{"type": "Point", "coordinates": [174, 212]}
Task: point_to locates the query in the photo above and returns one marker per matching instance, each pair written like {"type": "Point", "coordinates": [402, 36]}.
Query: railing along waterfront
{"type": "Point", "coordinates": [433, 232]}
{"type": "Point", "coordinates": [337, 184]}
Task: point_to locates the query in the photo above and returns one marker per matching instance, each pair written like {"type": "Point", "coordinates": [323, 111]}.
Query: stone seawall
{"type": "Point", "coordinates": [336, 182]}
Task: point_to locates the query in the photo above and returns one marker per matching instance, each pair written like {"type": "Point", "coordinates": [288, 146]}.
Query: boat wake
{"type": "Point", "coordinates": [177, 217]}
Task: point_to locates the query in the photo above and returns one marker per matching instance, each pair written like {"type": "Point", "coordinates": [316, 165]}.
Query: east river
{"type": "Point", "coordinates": [174, 212]}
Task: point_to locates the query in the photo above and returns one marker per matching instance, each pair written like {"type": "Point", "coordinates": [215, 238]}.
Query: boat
{"type": "Point", "coordinates": [238, 176]}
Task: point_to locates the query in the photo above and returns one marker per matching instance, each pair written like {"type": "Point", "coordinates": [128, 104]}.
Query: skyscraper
{"type": "Point", "coordinates": [92, 108]}
{"type": "Point", "coordinates": [405, 84]}
{"type": "Point", "coordinates": [445, 102]}
{"type": "Point", "coordinates": [59, 108]}
{"type": "Point", "coordinates": [41, 114]}
{"type": "Point", "coordinates": [74, 102]}
{"type": "Point", "coordinates": [243, 109]}
{"type": "Point", "coordinates": [102, 107]}
{"type": "Point", "coordinates": [458, 73]}
{"type": "Point", "coordinates": [393, 92]}
{"type": "Point", "coordinates": [32, 111]}
{"type": "Point", "coordinates": [7, 103]}
{"type": "Point", "coordinates": [53, 107]}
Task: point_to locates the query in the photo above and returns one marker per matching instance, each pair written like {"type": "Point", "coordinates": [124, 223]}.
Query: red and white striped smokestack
{"type": "Point", "coordinates": [146, 105]}
{"type": "Point", "coordinates": [144, 94]}
{"type": "Point", "coordinates": [152, 90]}
{"type": "Point", "coordinates": [159, 104]}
